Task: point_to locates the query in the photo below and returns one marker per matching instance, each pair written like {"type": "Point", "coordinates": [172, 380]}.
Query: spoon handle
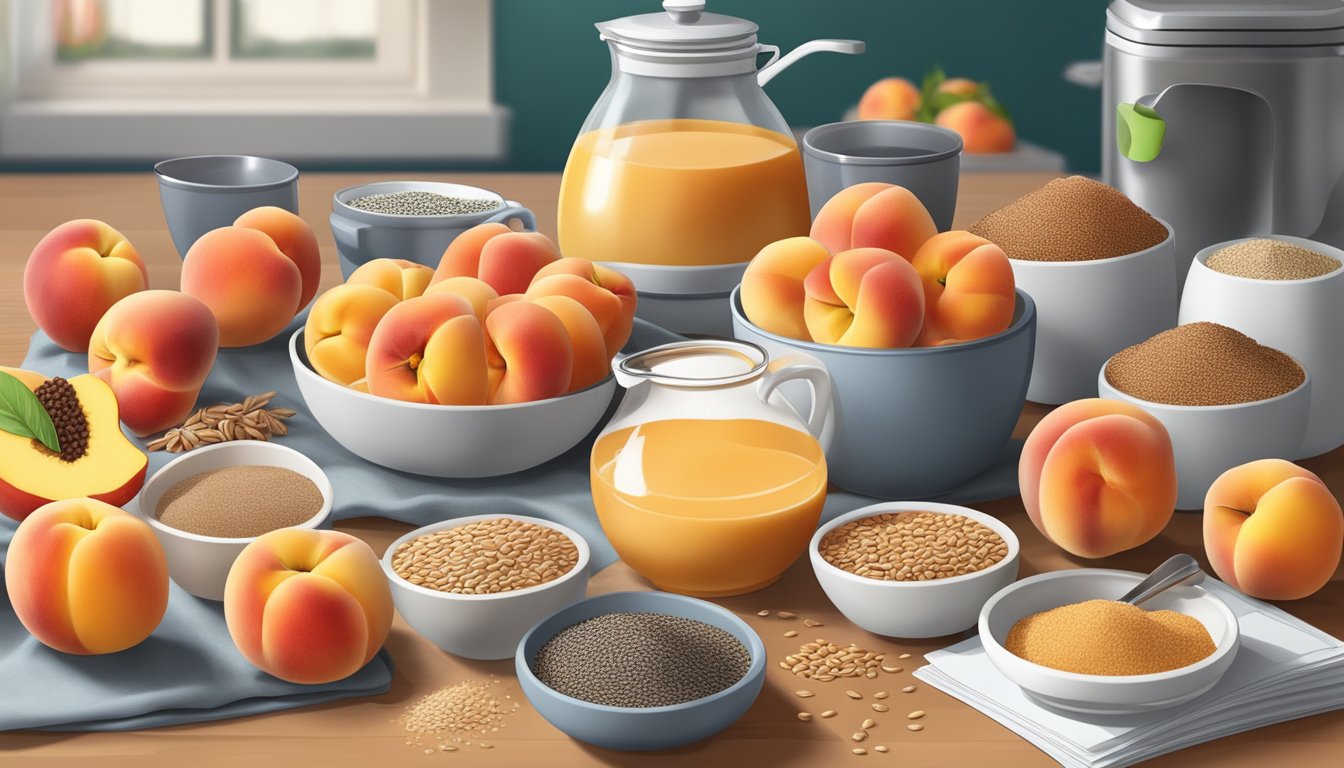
{"type": "Point", "coordinates": [1176, 571]}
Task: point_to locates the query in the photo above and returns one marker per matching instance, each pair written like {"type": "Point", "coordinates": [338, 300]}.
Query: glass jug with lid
{"type": "Point", "coordinates": [684, 168]}
{"type": "Point", "coordinates": [705, 481]}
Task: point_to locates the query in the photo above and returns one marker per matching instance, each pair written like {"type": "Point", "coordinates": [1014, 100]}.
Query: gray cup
{"type": "Point", "coordinates": [365, 235]}
{"type": "Point", "coordinates": [923, 158]}
{"type": "Point", "coordinates": [211, 191]}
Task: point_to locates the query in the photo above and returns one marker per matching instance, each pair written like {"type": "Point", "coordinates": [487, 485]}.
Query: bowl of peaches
{"type": "Point", "coordinates": [497, 361]}
{"type": "Point", "coordinates": [927, 339]}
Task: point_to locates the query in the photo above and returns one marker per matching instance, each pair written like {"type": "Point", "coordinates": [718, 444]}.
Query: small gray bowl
{"type": "Point", "coordinates": [207, 192]}
{"type": "Point", "coordinates": [641, 729]}
{"type": "Point", "coordinates": [364, 235]}
{"type": "Point", "coordinates": [918, 422]}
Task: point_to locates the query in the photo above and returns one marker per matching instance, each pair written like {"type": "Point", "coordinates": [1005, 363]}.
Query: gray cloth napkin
{"type": "Point", "coordinates": [189, 671]}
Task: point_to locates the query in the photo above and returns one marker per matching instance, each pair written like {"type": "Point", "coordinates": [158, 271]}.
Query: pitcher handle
{"type": "Point", "coordinates": [778, 64]}
{"type": "Point", "coordinates": [514, 210]}
{"type": "Point", "coordinates": [799, 366]}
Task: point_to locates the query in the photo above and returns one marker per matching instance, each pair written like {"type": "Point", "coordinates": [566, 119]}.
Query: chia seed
{"type": "Point", "coordinates": [419, 203]}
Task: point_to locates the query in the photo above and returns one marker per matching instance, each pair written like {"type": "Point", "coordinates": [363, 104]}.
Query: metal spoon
{"type": "Point", "coordinates": [1176, 571]}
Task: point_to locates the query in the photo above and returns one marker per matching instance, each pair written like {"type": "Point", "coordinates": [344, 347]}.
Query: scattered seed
{"type": "Point", "coordinates": [868, 723]}
{"type": "Point", "coordinates": [854, 694]}
{"type": "Point", "coordinates": [429, 751]}
{"type": "Point", "coordinates": [917, 714]}
{"type": "Point", "coordinates": [881, 708]}
{"type": "Point", "coordinates": [886, 668]}
{"type": "Point", "coordinates": [881, 695]}
{"type": "Point", "coordinates": [811, 623]}
{"type": "Point", "coordinates": [908, 689]}
{"type": "Point", "coordinates": [859, 735]}
{"type": "Point", "coordinates": [447, 748]}
{"type": "Point", "coordinates": [805, 716]}
{"type": "Point", "coordinates": [804, 694]}
{"type": "Point", "coordinates": [762, 613]}
{"type": "Point", "coordinates": [903, 656]}
{"type": "Point", "coordinates": [828, 713]}
{"type": "Point", "coordinates": [914, 727]}
{"type": "Point", "coordinates": [859, 751]}
{"type": "Point", "coordinates": [880, 748]}
{"type": "Point", "coordinates": [823, 661]}
{"type": "Point", "coordinates": [787, 615]}
{"type": "Point", "coordinates": [791, 633]}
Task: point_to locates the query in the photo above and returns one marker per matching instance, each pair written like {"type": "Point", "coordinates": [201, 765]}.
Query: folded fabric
{"type": "Point", "coordinates": [189, 671]}
{"type": "Point", "coordinates": [1284, 669]}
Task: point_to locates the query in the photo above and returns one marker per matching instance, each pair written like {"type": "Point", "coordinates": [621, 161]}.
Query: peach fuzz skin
{"type": "Point", "coordinates": [429, 350]}
{"type": "Point", "coordinates": [968, 288]}
{"type": "Point", "coordinates": [399, 277]}
{"type": "Point", "coordinates": [75, 272]}
{"type": "Point", "coordinates": [86, 578]}
{"type": "Point", "coordinates": [981, 131]}
{"type": "Point", "coordinates": [295, 239]}
{"type": "Point", "coordinates": [1098, 477]}
{"type": "Point", "coordinates": [1273, 530]}
{"type": "Point", "coordinates": [865, 297]}
{"type": "Point", "coordinates": [772, 287]}
{"type": "Point", "coordinates": [308, 606]}
{"type": "Point", "coordinates": [252, 287]}
{"type": "Point", "coordinates": [891, 98]}
{"type": "Point", "coordinates": [339, 326]}
{"type": "Point", "coordinates": [155, 349]}
{"type": "Point", "coordinates": [874, 215]}
{"type": "Point", "coordinates": [504, 259]}
{"type": "Point", "coordinates": [607, 294]}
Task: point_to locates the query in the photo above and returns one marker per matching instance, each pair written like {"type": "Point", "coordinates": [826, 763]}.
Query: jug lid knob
{"type": "Point", "coordinates": [684, 11]}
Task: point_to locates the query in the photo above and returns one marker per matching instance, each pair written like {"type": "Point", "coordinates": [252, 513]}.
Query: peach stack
{"type": "Point", "coordinates": [875, 272]}
{"type": "Point", "coordinates": [1273, 530]}
{"type": "Point", "coordinates": [1098, 477]}
{"type": "Point", "coordinates": [503, 319]}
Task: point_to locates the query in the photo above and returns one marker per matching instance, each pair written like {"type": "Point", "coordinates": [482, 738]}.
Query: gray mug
{"type": "Point", "coordinates": [211, 191]}
{"type": "Point", "coordinates": [923, 158]}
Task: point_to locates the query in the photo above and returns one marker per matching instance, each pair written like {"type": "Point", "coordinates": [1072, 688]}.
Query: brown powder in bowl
{"type": "Point", "coordinates": [1071, 219]}
{"type": "Point", "coordinates": [1266, 259]}
{"type": "Point", "coordinates": [1203, 364]}
{"type": "Point", "coordinates": [1107, 637]}
{"type": "Point", "coordinates": [239, 502]}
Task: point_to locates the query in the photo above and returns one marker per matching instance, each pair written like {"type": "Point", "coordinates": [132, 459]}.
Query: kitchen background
{"type": "Point", "coordinates": [415, 83]}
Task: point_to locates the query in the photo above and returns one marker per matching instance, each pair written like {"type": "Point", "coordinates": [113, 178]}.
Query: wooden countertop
{"type": "Point", "coordinates": [360, 732]}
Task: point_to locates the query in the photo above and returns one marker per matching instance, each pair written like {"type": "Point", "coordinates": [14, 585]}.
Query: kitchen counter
{"type": "Point", "coordinates": [361, 731]}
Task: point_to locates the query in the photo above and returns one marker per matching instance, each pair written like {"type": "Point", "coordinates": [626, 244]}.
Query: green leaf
{"type": "Point", "coordinates": [22, 415]}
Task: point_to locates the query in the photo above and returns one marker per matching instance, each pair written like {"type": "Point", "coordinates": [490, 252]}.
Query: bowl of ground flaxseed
{"type": "Point", "coordinates": [1064, 638]}
{"type": "Point", "coordinates": [414, 220]}
{"type": "Point", "coordinates": [207, 505]}
{"type": "Point", "coordinates": [913, 568]}
{"type": "Point", "coordinates": [473, 586]}
{"type": "Point", "coordinates": [1224, 398]}
{"type": "Point", "coordinates": [1101, 269]}
{"type": "Point", "coordinates": [1286, 292]}
{"type": "Point", "coordinates": [641, 671]}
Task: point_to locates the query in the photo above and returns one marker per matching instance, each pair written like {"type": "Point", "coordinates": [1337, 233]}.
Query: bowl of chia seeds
{"type": "Point", "coordinates": [641, 671]}
{"type": "Point", "coordinates": [414, 220]}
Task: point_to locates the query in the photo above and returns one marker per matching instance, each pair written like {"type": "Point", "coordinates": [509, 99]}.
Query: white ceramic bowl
{"type": "Point", "coordinates": [1104, 694]}
{"type": "Point", "coordinates": [1089, 310]}
{"type": "Point", "coordinates": [200, 564]}
{"type": "Point", "coordinates": [914, 608]}
{"type": "Point", "coordinates": [458, 441]}
{"type": "Point", "coordinates": [484, 626]}
{"type": "Point", "coordinates": [1300, 317]}
{"type": "Point", "coordinates": [1208, 440]}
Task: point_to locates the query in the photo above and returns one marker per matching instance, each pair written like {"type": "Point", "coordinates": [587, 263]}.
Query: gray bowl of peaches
{"type": "Point", "coordinates": [495, 362]}
{"type": "Point", "coordinates": [928, 343]}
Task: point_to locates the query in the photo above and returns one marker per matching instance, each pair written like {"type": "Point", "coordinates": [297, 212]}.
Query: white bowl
{"type": "Point", "coordinates": [200, 564]}
{"type": "Point", "coordinates": [484, 626]}
{"type": "Point", "coordinates": [1089, 310]}
{"type": "Point", "coordinates": [457, 441]}
{"type": "Point", "coordinates": [914, 608]}
{"type": "Point", "coordinates": [1208, 440]}
{"type": "Point", "coordinates": [1106, 694]}
{"type": "Point", "coordinates": [1300, 317]}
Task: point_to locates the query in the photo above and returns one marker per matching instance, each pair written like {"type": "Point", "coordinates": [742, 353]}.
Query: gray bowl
{"type": "Point", "coordinates": [916, 423]}
{"type": "Point", "coordinates": [207, 192]}
{"type": "Point", "coordinates": [651, 728]}
{"type": "Point", "coordinates": [364, 235]}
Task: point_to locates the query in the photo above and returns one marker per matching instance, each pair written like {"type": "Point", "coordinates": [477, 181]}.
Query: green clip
{"type": "Point", "coordinates": [1138, 132]}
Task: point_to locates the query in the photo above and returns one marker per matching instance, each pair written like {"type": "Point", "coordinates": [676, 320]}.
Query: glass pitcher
{"type": "Point", "coordinates": [704, 483]}
{"type": "Point", "coordinates": [684, 168]}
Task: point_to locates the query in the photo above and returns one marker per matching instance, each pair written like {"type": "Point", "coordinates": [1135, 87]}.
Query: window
{"type": "Point", "coordinates": [301, 79]}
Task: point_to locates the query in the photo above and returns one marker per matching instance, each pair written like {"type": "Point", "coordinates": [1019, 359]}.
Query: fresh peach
{"type": "Point", "coordinates": [75, 272]}
{"type": "Point", "coordinates": [478, 293]}
{"type": "Point", "coordinates": [982, 131]}
{"type": "Point", "coordinates": [87, 578]}
{"type": "Point", "coordinates": [399, 277]}
{"type": "Point", "coordinates": [772, 287]}
{"type": "Point", "coordinates": [340, 324]}
{"type": "Point", "coordinates": [155, 349]}
{"type": "Point", "coordinates": [253, 288]}
{"type": "Point", "coordinates": [959, 86]}
{"type": "Point", "coordinates": [607, 294]}
{"type": "Point", "coordinates": [429, 350]}
{"type": "Point", "coordinates": [591, 363]}
{"type": "Point", "coordinates": [529, 353]}
{"type": "Point", "coordinates": [891, 98]}
{"type": "Point", "coordinates": [504, 259]}
{"type": "Point", "coordinates": [1273, 530]}
{"type": "Point", "coordinates": [865, 297]}
{"type": "Point", "coordinates": [1098, 477]}
{"type": "Point", "coordinates": [307, 605]}
{"type": "Point", "coordinates": [295, 239]}
{"type": "Point", "coordinates": [968, 288]}
{"type": "Point", "coordinates": [874, 215]}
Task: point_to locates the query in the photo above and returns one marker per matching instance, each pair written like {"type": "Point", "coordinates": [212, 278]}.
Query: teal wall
{"type": "Point", "coordinates": [550, 66]}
